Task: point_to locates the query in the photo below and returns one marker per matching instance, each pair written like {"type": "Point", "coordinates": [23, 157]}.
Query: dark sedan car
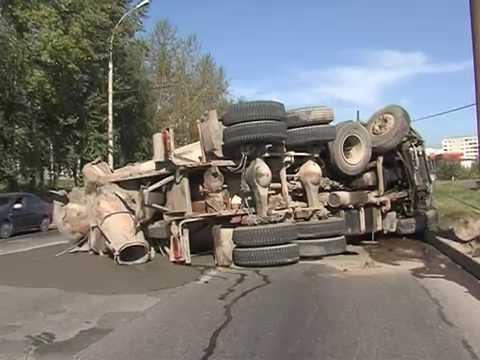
{"type": "Point", "coordinates": [23, 212]}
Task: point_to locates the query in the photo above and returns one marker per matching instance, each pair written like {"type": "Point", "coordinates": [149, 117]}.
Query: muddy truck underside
{"type": "Point", "coordinates": [262, 187]}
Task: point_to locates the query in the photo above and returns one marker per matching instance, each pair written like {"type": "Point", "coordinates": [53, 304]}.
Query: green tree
{"type": "Point", "coordinates": [62, 115]}
{"type": "Point", "coordinates": [53, 94]}
{"type": "Point", "coordinates": [447, 169]}
{"type": "Point", "coordinates": [187, 83]}
{"type": "Point", "coordinates": [15, 109]}
{"type": "Point", "coordinates": [134, 106]}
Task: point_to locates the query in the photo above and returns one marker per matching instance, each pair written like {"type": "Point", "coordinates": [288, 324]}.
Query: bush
{"type": "Point", "coordinates": [448, 169]}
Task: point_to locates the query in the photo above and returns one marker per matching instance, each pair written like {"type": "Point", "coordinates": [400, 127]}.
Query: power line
{"type": "Point", "coordinates": [445, 112]}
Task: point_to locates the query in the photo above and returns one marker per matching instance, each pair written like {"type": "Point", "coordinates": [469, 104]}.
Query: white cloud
{"type": "Point", "coordinates": [363, 83]}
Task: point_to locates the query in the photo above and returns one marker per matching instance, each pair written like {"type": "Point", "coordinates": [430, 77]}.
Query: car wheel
{"type": "Point", "coordinates": [351, 151]}
{"type": "Point", "coordinates": [254, 110]}
{"type": "Point", "coordinates": [266, 256]}
{"type": "Point", "coordinates": [322, 247]}
{"type": "Point", "coordinates": [6, 230]}
{"type": "Point", "coordinates": [264, 235]}
{"type": "Point", "coordinates": [45, 224]}
{"type": "Point", "coordinates": [387, 128]}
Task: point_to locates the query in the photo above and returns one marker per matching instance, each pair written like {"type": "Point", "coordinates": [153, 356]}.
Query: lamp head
{"type": "Point", "coordinates": [142, 4]}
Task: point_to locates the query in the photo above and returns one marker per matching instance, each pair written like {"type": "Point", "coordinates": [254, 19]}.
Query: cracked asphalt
{"type": "Point", "coordinates": [399, 299]}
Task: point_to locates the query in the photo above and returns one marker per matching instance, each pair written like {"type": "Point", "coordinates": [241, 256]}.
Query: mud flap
{"type": "Point", "coordinates": [179, 244]}
{"type": "Point", "coordinates": [223, 246]}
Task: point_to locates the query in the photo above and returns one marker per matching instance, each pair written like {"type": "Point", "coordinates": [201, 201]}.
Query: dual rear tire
{"type": "Point", "coordinates": [321, 238]}
{"type": "Point", "coordinates": [267, 256]}
{"type": "Point", "coordinates": [267, 122]}
{"type": "Point", "coordinates": [315, 248]}
{"type": "Point", "coordinates": [310, 126]}
{"type": "Point", "coordinates": [253, 123]}
{"type": "Point", "coordinates": [286, 243]}
{"type": "Point", "coordinates": [265, 245]}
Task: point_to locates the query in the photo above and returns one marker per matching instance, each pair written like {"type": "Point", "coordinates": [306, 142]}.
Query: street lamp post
{"type": "Point", "coordinates": [110, 80]}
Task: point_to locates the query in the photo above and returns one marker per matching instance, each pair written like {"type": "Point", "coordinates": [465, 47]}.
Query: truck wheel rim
{"type": "Point", "coordinates": [382, 125]}
{"type": "Point", "coordinates": [352, 149]}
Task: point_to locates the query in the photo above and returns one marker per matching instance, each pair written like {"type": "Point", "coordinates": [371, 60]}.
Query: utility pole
{"type": "Point", "coordinates": [475, 22]}
{"type": "Point", "coordinates": [110, 106]}
{"type": "Point", "coordinates": [110, 80]}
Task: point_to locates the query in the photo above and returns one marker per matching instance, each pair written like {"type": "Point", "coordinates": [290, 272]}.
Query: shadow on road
{"type": "Point", "coordinates": [423, 261]}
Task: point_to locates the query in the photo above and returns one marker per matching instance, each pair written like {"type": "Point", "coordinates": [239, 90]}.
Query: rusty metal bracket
{"type": "Point", "coordinates": [381, 180]}
{"type": "Point", "coordinates": [160, 183]}
{"type": "Point", "coordinates": [259, 177]}
{"type": "Point", "coordinates": [310, 175]}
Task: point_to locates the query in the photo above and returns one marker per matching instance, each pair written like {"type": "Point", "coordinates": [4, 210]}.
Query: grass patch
{"type": "Point", "coordinates": [456, 200]}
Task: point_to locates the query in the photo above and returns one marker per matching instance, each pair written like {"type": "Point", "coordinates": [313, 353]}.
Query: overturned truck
{"type": "Point", "coordinates": [262, 187]}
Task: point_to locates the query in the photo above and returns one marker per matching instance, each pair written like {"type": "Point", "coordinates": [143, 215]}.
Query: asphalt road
{"type": "Point", "coordinates": [30, 241]}
{"type": "Point", "coordinates": [397, 300]}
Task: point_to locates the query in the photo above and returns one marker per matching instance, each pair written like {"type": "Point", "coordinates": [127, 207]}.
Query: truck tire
{"type": "Point", "coordinates": [264, 235]}
{"type": "Point", "coordinates": [333, 226]}
{"type": "Point", "coordinates": [255, 132]}
{"type": "Point", "coordinates": [254, 110]}
{"type": "Point", "coordinates": [322, 247]}
{"type": "Point", "coordinates": [351, 151]}
{"type": "Point", "coordinates": [387, 128]}
{"type": "Point", "coordinates": [307, 116]}
{"type": "Point", "coordinates": [266, 256]}
{"type": "Point", "coordinates": [310, 134]}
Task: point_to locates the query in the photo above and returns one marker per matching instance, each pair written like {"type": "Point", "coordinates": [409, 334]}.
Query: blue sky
{"type": "Point", "coordinates": [348, 54]}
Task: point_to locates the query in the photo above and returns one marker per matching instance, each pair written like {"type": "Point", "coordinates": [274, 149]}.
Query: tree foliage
{"type": "Point", "coordinates": [53, 93]}
{"type": "Point", "coordinates": [449, 169]}
{"type": "Point", "coordinates": [186, 82]}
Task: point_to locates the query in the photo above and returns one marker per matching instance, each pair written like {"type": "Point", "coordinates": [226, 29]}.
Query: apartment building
{"type": "Point", "coordinates": [468, 145]}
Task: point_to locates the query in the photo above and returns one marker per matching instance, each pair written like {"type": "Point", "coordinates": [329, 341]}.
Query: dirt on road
{"type": "Point", "coordinates": [85, 273]}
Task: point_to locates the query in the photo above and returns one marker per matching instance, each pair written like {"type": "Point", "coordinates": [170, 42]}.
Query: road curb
{"type": "Point", "coordinates": [468, 263]}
